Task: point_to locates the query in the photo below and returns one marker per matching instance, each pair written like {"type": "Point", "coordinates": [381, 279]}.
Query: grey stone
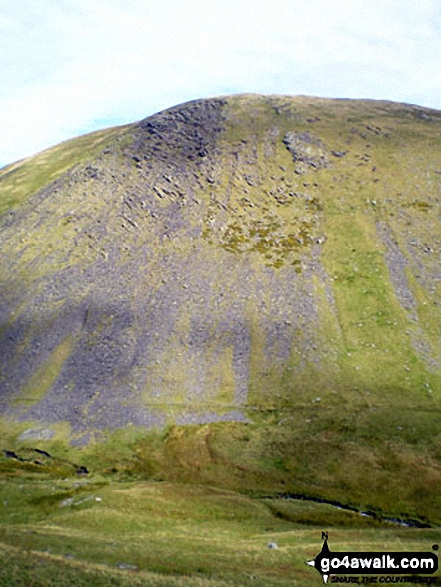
{"type": "Point", "coordinates": [37, 434]}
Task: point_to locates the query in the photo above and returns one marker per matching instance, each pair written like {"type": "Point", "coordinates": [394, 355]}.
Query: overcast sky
{"type": "Point", "coordinates": [68, 67]}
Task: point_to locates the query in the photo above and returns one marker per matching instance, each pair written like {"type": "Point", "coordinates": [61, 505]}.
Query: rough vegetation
{"type": "Point", "coordinates": [241, 292]}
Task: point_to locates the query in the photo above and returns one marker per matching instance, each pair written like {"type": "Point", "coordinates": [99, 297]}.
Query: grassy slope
{"type": "Point", "coordinates": [172, 534]}
{"type": "Point", "coordinates": [25, 177]}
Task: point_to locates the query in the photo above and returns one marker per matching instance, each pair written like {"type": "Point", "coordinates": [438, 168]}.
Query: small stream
{"type": "Point", "coordinates": [407, 523]}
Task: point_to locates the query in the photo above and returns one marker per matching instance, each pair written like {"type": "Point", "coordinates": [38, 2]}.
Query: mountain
{"type": "Point", "coordinates": [268, 264]}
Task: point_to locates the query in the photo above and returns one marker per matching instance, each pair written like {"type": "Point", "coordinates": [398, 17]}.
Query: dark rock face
{"type": "Point", "coordinates": [189, 270]}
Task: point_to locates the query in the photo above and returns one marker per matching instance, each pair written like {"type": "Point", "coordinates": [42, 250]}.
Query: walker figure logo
{"type": "Point", "coordinates": [372, 563]}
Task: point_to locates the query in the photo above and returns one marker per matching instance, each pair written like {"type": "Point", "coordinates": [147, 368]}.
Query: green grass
{"type": "Point", "coordinates": [314, 450]}
{"type": "Point", "coordinates": [20, 180]}
{"type": "Point", "coordinates": [173, 534]}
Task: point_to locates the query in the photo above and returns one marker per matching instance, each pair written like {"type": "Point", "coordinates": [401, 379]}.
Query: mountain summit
{"type": "Point", "coordinates": [224, 258]}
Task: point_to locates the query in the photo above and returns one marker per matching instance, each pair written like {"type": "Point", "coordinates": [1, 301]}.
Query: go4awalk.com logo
{"type": "Point", "coordinates": [329, 563]}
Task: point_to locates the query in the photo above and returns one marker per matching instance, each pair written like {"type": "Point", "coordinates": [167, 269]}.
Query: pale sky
{"type": "Point", "coordinates": [68, 67]}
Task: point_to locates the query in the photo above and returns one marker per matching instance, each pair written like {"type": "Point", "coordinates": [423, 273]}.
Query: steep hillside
{"type": "Point", "coordinates": [271, 260]}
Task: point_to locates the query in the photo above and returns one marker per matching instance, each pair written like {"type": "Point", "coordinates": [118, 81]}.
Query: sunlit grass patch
{"type": "Point", "coordinates": [159, 532]}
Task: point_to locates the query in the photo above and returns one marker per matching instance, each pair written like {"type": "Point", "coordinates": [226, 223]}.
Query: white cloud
{"type": "Point", "coordinates": [68, 65]}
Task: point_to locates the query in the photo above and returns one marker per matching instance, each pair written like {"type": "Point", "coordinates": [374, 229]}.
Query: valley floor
{"type": "Point", "coordinates": [97, 533]}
